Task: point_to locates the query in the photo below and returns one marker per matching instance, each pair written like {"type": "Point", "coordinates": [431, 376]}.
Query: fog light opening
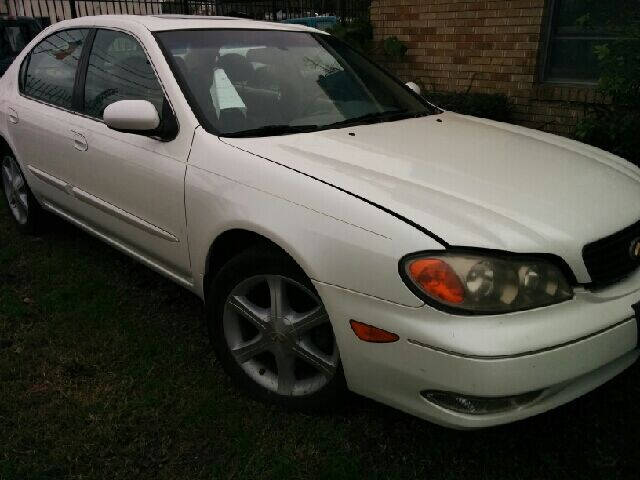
{"type": "Point", "coordinates": [472, 405]}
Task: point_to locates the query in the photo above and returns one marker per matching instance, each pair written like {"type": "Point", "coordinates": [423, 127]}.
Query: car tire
{"type": "Point", "coordinates": [23, 206]}
{"type": "Point", "coordinates": [271, 333]}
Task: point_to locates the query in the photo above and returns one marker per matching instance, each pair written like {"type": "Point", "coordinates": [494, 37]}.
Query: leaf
{"type": "Point", "coordinates": [601, 51]}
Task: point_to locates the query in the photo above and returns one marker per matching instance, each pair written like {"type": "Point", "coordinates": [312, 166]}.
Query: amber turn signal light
{"type": "Point", "coordinates": [369, 333]}
{"type": "Point", "coordinates": [437, 279]}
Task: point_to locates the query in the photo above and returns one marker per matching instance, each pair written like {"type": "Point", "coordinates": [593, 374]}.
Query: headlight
{"type": "Point", "coordinates": [470, 283]}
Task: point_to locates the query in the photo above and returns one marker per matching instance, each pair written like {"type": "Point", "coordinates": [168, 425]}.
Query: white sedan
{"type": "Point", "coordinates": [343, 232]}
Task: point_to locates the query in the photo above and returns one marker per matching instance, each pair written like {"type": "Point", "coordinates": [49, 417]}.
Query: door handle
{"type": "Point", "coordinates": [13, 116]}
{"type": "Point", "coordinates": [79, 142]}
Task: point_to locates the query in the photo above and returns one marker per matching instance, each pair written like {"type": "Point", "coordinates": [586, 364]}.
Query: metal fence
{"type": "Point", "coordinates": [345, 10]}
{"type": "Point", "coordinates": [51, 11]}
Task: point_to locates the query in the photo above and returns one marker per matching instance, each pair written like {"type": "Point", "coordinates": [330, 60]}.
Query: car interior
{"type": "Point", "coordinates": [252, 87]}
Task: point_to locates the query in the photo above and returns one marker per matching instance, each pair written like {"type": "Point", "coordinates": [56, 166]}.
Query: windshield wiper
{"type": "Point", "coordinates": [272, 130]}
{"type": "Point", "coordinates": [285, 129]}
{"type": "Point", "coordinates": [377, 117]}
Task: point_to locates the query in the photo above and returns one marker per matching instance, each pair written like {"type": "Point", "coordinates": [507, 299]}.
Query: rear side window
{"type": "Point", "coordinates": [51, 67]}
{"type": "Point", "coordinates": [119, 70]}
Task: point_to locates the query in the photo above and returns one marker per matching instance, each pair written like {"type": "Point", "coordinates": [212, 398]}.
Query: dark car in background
{"type": "Point", "coordinates": [15, 34]}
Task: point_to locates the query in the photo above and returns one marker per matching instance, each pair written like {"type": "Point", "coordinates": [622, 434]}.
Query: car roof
{"type": "Point", "coordinates": [157, 23]}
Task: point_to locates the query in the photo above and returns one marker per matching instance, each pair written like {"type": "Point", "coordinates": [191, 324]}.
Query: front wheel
{"type": "Point", "coordinates": [272, 333]}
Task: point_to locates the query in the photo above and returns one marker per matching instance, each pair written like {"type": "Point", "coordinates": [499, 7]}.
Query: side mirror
{"type": "Point", "coordinates": [413, 86]}
{"type": "Point", "coordinates": [132, 116]}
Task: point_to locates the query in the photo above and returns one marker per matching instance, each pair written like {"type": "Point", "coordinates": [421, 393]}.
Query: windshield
{"type": "Point", "coordinates": [269, 82]}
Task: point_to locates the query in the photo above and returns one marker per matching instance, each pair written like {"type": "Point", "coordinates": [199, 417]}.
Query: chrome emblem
{"type": "Point", "coordinates": [634, 251]}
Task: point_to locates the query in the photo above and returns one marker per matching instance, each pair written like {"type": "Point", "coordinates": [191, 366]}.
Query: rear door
{"type": "Point", "coordinates": [41, 118]}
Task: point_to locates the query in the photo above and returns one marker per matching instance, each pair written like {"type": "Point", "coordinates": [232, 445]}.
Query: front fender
{"type": "Point", "coordinates": [335, 238]}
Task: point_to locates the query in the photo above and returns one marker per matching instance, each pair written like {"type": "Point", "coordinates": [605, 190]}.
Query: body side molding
{"type": "Point", "coordinates": [123, 215]}
{"type": "Point", "coordinates": [49, 179]}
{"type": "Point", "coordinates": [103, 206]}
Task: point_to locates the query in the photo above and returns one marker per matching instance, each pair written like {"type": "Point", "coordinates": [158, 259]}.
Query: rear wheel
{"type": "Point", "coordinates": [272, 333]}
{"type": "Point", "coordinates": [23, 206]}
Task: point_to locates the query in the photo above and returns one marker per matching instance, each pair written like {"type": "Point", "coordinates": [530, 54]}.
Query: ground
{"type": "Point", "coordinates": [106, 372]}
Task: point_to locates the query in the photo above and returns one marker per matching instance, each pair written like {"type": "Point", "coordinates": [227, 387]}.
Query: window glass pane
{"type": "Point", "coordinates": [14, 36]}
{"type": "Point", "coordinates": [242, 80]}
{"type": "Point", "coordinates": [568, 13]}
{"type": "Point", "coordinates": [13, 39]}
{"type": "Point", "coordinates": [573, 60]}
{"type": "Point", "coordinates": [52, 67]}
{"type": "Point", "coordinates": [119, 70]}
{"type": "Point", "coordinates": [593, 17]}
{"type": "Point", "coordinates": [578, 27]}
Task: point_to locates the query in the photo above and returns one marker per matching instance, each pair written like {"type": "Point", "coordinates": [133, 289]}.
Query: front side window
{"type": "Point", "coordinates": [119, 70]}
{"type": "Point", "coordinates": [50, 68]}
{"type": "Point", "coordinates": [261, 82]}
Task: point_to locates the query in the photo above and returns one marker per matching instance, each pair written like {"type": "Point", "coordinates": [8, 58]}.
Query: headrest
{"type": "Point", "coordinates": [267, 55]}
{"type": "Point", "coordinates": [237, 67]}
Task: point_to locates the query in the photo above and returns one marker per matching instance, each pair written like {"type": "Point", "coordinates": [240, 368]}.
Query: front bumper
{"type": "Point", "coordinates": [564, 350]}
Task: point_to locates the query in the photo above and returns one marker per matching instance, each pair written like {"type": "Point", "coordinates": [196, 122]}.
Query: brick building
{"type": "Point", "coordinates": [533, 51]}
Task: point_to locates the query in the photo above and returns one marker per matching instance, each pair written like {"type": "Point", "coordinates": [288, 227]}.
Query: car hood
{"type": "Point", "coordinates": [473, 182]}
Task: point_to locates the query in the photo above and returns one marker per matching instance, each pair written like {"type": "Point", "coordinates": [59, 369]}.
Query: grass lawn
{"type": "Point", "coordinates": [106, 372]}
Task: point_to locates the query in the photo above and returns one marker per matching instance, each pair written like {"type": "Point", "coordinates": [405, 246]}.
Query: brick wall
{"type": "Point", "coordinates": [487, 46]}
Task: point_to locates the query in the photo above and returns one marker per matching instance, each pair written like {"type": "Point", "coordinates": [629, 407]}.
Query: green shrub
{"type": "Point", "coordinates": [493, 106]}
{"type": "Point", "coordinates": [614, 128]}
{"type": "Point", "coordinates": [358, 34]}
{"type": "Point", "coordinates": [615, 124]}
{"type": "Point", "coordinates": [393, 48]}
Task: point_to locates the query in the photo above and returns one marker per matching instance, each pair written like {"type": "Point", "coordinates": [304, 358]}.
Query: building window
{"type": "Point", "coordinates": [575, 28]}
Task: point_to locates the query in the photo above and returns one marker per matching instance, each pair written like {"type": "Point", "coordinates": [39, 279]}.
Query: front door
{"type": "Point", "coordinates": [129, 186]}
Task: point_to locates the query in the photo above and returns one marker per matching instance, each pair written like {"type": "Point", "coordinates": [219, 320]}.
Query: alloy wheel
{"type": "Point", "coordinates": [15, 189]}
{"type": "Point", "coordinates": [279, 333]}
